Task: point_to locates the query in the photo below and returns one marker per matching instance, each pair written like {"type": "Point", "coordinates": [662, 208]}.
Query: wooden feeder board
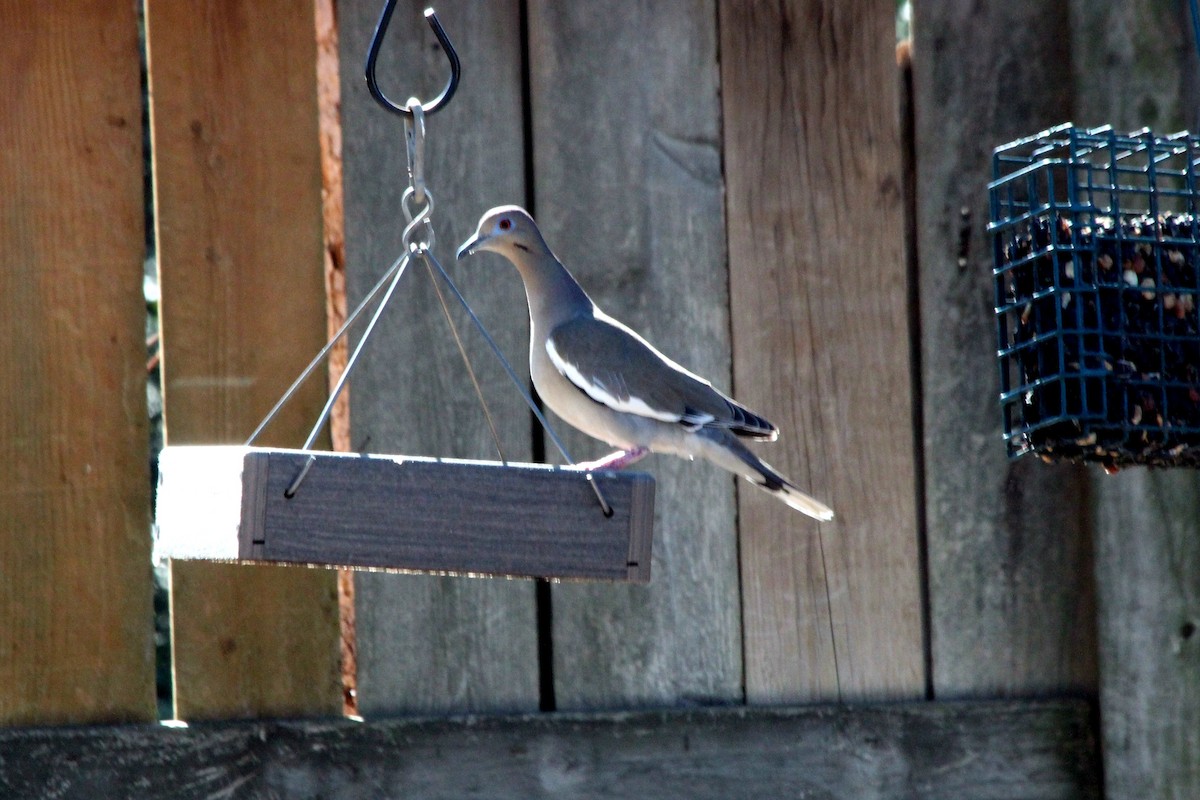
{"type": "Point", "coordinates": [404, 514]}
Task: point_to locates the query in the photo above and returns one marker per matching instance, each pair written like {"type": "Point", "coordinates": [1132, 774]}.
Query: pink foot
{"type": "Point", "coordinates": [617, 460]}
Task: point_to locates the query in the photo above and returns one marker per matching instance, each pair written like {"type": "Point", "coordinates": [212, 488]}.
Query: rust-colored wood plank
{"type": "Point", "coordinates": [1012, 598]}
{"type": "Point", "coordinates": [75, 591]}
{"type": "Point", "coordinates": [437, 644]}
{"type": "Point", "coordinates": [628, 190]}
{"type": "Point", "coordinates": [329, 102]}
{"type": "Point", "coordinates": [238, 197]}
{"type": "Point", "coordinates": [819, 295]}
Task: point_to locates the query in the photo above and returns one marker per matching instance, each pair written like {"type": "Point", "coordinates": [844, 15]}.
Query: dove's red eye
{"type": "Point", "coordinates": [505, 224]}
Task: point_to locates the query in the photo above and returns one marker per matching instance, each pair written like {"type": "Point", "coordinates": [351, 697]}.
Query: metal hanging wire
{"type": "Point", "coordinates": [417, 239]}
{"type": "Point", "coordinates": [398, 265]}
{"type": "Point", "coordinates": [414, 137]}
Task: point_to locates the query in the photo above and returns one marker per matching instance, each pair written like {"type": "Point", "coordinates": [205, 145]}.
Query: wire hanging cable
{"type": "Point", "coordinates": [414, 140]}
{"type": "Point", "coordinates": [512, 373]}
{"type": "Point", "coordinates": [350, 320]}
{"type": "Point", "coordinates": [462, 350]}
{"type": "Point", "coordinates": [290, 491]}
{"type": "Point", "coordinates": [416, 222]}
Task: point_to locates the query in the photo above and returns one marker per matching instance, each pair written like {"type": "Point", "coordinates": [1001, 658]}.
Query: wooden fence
{"type": "Point", "coordinates": [735, 180]}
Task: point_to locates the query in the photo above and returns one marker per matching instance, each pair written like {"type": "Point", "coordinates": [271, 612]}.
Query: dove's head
{"type": "Point", "coordinates": [507, 230]}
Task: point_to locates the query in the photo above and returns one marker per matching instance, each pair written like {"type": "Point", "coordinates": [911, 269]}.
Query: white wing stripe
{"type": "Point", "coordinates": [599, 392]}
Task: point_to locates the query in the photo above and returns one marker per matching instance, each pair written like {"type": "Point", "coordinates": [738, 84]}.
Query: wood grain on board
{"type": "Point", "coordinates": [437, 644]}
{"type": "Point", "coordinates": [935, 751]}
{"type": "Point", "coordinates": [819, 293]}
{"type": "Point", "coordinates": [628, 191]}
{"type": "Point", "coordinates": [238, 200]}
{"type": "Point", "coordinates": [75, 582]}
{"type": "Point", "coordinates": [1135, 66]}
{"type": "Point", "coordinates": [1011, 586]}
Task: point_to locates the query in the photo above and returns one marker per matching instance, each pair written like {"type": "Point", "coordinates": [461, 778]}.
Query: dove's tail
{"type": "Point", "coordinates": [723, 449]}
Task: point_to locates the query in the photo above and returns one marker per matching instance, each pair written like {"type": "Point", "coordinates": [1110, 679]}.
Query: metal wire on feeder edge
{"type": "Point", "coordinates": [418, 241]}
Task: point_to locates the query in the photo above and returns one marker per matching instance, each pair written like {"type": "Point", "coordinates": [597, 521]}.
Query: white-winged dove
{"type": "Point", "coordinates": [609, 382]}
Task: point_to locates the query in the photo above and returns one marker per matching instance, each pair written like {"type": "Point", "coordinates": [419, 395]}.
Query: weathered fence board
{"type": "Point", "coordinates": [74, 484]}
{"type": "Point", "coordinates": [993, 751]}
{"type": "Point", "coordinates": [1135, 66]}
{"type": "Point", "coordinates": [1010, 551]}
{"type": "Point", "coordinates": [1148, 571]}
{"type": "Point", "coordinates": [628, 190]}
{"type": "Point", "coordinates": [237, 189]}
{"type": "Point", "coordinates": [819, 296]}
{"type": "Point", "coordinates": [429, 644]}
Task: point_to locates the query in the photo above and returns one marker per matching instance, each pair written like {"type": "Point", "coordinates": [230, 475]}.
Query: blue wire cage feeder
{"type": "Point", "coordinates": [1096, 252]}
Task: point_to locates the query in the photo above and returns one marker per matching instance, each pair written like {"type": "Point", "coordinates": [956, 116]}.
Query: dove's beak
{"type": "Point", "coordinates": [470, 246]}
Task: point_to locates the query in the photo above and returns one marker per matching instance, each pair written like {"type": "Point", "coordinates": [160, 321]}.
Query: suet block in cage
{"type": "Point", "coordinates": [1096, 246]}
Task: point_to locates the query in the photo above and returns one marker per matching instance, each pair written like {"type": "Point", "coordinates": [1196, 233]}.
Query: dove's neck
{"type": "Point", "coordinates": [554, 296]}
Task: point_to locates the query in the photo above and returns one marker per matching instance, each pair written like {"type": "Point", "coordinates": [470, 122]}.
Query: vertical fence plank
{"type": "Point", "coordinates": [819, 325]}
{"type": "Point", "coordinates": [626, 125]}
{"type": "Point", "coordinates": [1135, 66]}
{"type": "Point", "coordinates": [1148, 573]}
{"type": "Point", "coordinates": [238, 197]}
{"type": "Point", "coordinates": [431, 644]}
{"type": "Point", "coordinates": [1010, 552]}
{"type": "Point", "coordinates": [75, 645]}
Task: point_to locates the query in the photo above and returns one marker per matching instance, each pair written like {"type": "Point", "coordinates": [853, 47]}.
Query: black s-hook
{"type": "Point", "coordinates": [439, 102]}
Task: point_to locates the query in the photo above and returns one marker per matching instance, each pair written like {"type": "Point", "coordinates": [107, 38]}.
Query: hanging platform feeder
{"type": "Point", "coordinates": [1096, 247]}
{"type": "Point", "coordinates": [403, 513]}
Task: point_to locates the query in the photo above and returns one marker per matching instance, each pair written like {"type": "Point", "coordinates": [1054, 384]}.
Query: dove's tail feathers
{"type": "Point", "coordinates": [802, 502]}
{"type": "Point", "coordinates": [727, 452]}
{"type": "Point", "coordinates": [747, 424]}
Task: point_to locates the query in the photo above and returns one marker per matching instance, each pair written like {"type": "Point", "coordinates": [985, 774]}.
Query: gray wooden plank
{"type": "Point", "coordinates": [439, 516]}
{"type": "Point", "coordinates": [1010, 555]}
{"type": "Point", "coordinates": [431, 643]}
{"type": "Point", "coordinates": [981, 751]}
{"type": "Point", "coordinates": [626, 133]}
{"type": "Point", "coordinates": [1148, 582]}
{"type": "Point", "coordinates": [1135, 66]}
